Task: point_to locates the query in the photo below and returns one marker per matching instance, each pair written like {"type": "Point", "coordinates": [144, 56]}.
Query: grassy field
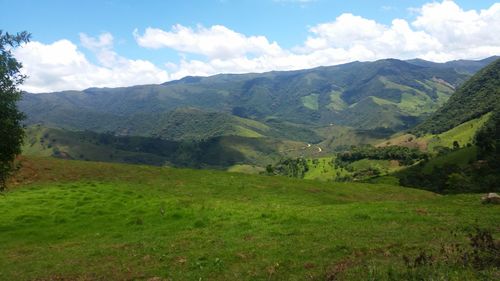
{"type": "Point", "coordinates": [323, 169]}
{"type": "Point", "coordinates": [75, 220]}
{"type": "Point", "coordinates": [246, 169]}
{"type": "Point", "coordinates": [463, 134]}
{"type": "Point", "coordinates": [461, 157]}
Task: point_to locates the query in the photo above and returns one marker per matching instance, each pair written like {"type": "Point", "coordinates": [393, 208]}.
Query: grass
{"type": "Point", "coordinates": [248, 148]}
{"type": "Point", "coordinates": [463, 134]}
{"type": "Point", "coordinates": [413, 101]}
{"type": "Point", "coordinates": [384, 166]}
{"type": "Point", "coordinates": [42, 141]}
{"type": "Point", "coordinates": [245, 132]}
{"type": "Point", "coordinates": [323, 169]}
{"type": "Point", "coordinates": [461, 157]}
{"type": "Point", "coordinates": [341, 138]}
{"type": "Point", "coordinates": [337, 103]}
{"type": "Point", "coordinates": [74, 220]}
{"type": "Point", "coordinates": [245, 169]}
{"type": "Point", "coordinates": [311, 101]}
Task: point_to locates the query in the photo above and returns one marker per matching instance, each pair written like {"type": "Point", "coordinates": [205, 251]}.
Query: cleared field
{"type": "Point", "coordinates": [75, 220]}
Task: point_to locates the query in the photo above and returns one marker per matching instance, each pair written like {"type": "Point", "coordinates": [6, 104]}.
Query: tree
{"type": "Point", "coordinates": [11, 128]}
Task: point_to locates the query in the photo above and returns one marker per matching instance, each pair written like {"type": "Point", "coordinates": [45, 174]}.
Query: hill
{"type": "Point", "coordinates": [472, 116]}
{"type": "Point", "coordinates": [478, 96]}
{"type": "Point", "coordinates": [463, 158]}
{"type": "Point", "coordinates": [76, 220]}
{"type": "Point", "coordinates": [473, 168]}
{"type": "Point", "coordinates": [194, 124]}
{"type": "Point", "coordinates": [461, 135]}
{"type": "Point", "coordinates": [388, 93]}
{"type": "Point", "coordinates": [215, 152]}
{"type": "Point", "coordinates": [461, 66]}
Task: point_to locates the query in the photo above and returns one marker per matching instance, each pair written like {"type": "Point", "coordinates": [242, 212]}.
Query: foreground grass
{"type": "Point", "coordinates": [71, 220]}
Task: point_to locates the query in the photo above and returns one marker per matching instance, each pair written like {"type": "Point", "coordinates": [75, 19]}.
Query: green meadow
{"type": "Point", "coordinates": [463, 134]}
{"type": "Point", "coordinates": [77, 220]}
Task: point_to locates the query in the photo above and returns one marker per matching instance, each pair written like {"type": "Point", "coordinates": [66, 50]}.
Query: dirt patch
{"type": "Point", "coordinates": [393, 163]}
{"type": "Point", "coordinates": [334, 272]}
{"type": "Point", "coordinates": [309, 265]}
{"type": "Point", "coordinates": [59, 277]}
{"type": "Point", "coordinates": [408, 140]}
{"type": "Point", "coordinates": [180, 260]}
{"type": "Point", "coordinates": [248, 238]}
{"type": "Point", "coordinates": [421, 211]}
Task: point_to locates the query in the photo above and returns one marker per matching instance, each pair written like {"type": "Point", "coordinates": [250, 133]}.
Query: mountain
{"type": "Point", "coordinates": [472, 116]}
{"type": "Point", "coordinates": [389, 93]}
{"type": "Point", "coordinates": [461, 66]}
{"type": "Point", "coordinates": [478, 96]}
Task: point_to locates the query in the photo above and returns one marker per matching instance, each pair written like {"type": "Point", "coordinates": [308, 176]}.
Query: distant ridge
{"type": "Point", "coordinates": [462, 66]}
{"type": "Point", "coordinates": [387, 94]}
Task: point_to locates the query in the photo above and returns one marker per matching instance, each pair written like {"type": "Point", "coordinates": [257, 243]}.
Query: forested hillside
{"type": "Point", "coordinates": [479, 95]}
{"type": "Point", "coordinates": [214, 152]}
{"type": "Point", "coordinates": [474, 167]}
{"type": "Point", "coordinates": [390, 94]}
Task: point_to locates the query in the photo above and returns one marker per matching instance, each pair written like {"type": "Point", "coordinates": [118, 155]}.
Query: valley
{"type": "Point", "coordinates": [386, 94]}
{"type": "Point", "coordinates": [213, 136]}
{"type": "Point", "coordinates": [303, 175]}
{"type": "Point", "coordinates": [271, 140]}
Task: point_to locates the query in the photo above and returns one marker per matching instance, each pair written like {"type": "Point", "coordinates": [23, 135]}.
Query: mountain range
{"type": "Point", "coordinates": [390, 94]}
{"type": "Point", "coordinates": [256, 119]}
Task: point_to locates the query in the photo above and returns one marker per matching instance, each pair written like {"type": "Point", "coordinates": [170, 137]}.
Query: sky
{"type": "Point", "coordinates": [111, 43]}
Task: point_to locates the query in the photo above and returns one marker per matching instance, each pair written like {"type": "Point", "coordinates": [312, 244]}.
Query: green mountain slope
{"type": "Point", "coordinates": [476, 167]}
{"type": "Point", "coordinates": [479, 95]}
{"type": "Point", "coordinates": [178, 125]}
{"type": "Point", "coordinates": [461, 66]}
{"type": "Point", "coordinates": [214, 152]}
{"type": "Point", "coordinates": [195, 124]}
{"type": "Point", "coordinates": [398, 94]}
{"type": "Point", "coordinates": [463, 134]}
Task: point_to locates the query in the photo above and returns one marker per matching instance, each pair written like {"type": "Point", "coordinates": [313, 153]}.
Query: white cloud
{"type": "Point", "coordinates": [215, 42]}
{"type": "Point", "coordinates": [105, 40]}
{"type": "Point", "coordinates": [462, 34]}
{"type": "Point", "coordinates": [61, 66]}
{"type": "Point", "coordinates": [351, 33]}
{"type": "Point", "coordinates": [440, 31]}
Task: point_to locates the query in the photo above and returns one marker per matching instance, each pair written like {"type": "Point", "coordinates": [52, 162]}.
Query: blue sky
{"type": "Point", "coordinates": [275, 30]}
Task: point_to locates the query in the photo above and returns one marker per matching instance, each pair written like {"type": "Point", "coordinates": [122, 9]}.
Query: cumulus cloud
{"type": "Point", "coordinates": [353, 33]}
{"type": "Point", "coordinates": [439, 31]}
{"type": "Point", "coordinates": [462, 34]}
{"type": "Point", "coordinates": [215, 42]}
{"type": "Point", "coordinates": [61, 66]}
{"type": "Point", "coordinates": [105, 40]}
